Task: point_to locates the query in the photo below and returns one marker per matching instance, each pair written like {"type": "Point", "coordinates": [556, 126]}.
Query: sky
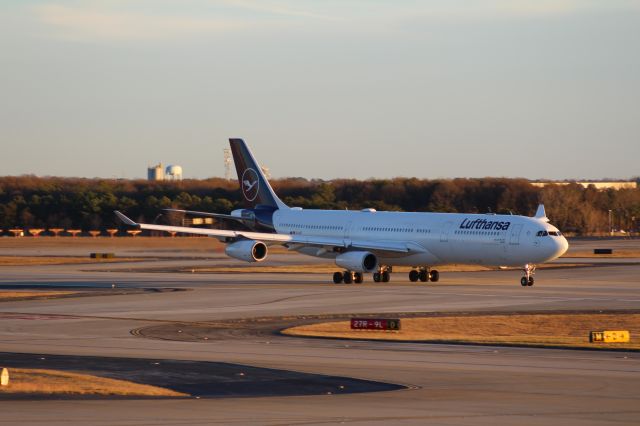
{"type": "Point", "coordinates": [540, 89]}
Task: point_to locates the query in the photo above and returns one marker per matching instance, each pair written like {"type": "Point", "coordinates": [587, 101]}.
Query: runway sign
{"type": "Point", "coordinates": [619, 336]}
{"type": "Point", "coordinates": [603, 251]}
{"type": "Point", "coordinates": [381, 324]}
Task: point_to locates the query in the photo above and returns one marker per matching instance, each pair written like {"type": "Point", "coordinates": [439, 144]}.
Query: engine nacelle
{"type": "Point", "coordinates": [247, 250]}
{"type": "Point", "coordinates": [357, 261]}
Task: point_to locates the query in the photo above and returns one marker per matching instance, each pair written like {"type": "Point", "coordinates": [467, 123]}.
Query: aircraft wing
{"type": "Point", "coordinates": [221, 234]}
{"type": "Point", "coordinates": [385, 246]}
{"type": "Point", "coordinates": [395, 247]}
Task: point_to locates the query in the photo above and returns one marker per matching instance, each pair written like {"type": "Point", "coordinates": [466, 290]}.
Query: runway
{"type": "Point", "coordinates": [446, 384]}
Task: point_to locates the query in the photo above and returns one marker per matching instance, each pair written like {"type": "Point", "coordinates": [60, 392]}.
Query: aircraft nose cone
{"type": "Point", "coordinates": [555, 247]}
{"type": "Point", "coordinates": [562, 245]}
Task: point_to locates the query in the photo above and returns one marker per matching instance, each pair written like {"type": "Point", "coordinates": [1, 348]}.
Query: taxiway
{"type": "Point", "coordinates": [446, 384]}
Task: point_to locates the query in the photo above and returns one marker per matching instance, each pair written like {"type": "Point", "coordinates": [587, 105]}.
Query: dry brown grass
{"type": "Point", "coordinates": [547, 330]}
{"type": "Point", "coordinates": [53, 382]}
{"type": "Point", "coordinates": [56, 260]}
{"type": "Point", "coordinates": [31, 294]}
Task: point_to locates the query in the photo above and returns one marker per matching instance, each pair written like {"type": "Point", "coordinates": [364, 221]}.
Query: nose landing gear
{"type": "Point", "coordinates": [527, 280]}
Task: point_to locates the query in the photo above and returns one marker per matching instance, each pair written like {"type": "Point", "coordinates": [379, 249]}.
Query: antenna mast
{"type": "Point", "coordinates": [227, 164]}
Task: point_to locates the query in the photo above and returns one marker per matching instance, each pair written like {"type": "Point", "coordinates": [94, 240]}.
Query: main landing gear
{"type": "Point", "coordinates": [348, 277]}
{"type": "Point", "coordinates": [527, 280]}
{"type": "Point", "coordinates": [424, 275]}
{"type": "Point", "coordinates": [383, 274]}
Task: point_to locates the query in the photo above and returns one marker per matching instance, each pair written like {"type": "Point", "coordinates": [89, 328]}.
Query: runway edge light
{"type": "Point", "coordinates": [4, 377]}
{"type": "Point", "coordinates": [609, 336]}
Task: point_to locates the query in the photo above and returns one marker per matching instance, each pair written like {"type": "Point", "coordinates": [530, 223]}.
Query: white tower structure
{"type": "Point", "coordinates": [174, 172]}
{"type": "Point", "coordinates": [227, 164]}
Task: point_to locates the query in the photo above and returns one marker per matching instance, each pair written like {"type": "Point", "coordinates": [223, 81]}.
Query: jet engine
{"type": "Point", "coordinates": [247, 250]}
{"type": "Point", "coordinates": [357, 261]}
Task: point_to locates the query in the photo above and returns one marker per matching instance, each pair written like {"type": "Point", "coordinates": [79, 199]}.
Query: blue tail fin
{"type": "Point", "coordinates": [255, 187]}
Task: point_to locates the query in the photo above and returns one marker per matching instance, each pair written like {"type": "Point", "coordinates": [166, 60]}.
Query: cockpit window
{"type": "Point", "coordinates": [545, 233]}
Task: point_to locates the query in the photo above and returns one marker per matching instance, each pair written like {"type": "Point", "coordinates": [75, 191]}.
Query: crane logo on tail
{"type": "Point", "coordinates": [250, 184]}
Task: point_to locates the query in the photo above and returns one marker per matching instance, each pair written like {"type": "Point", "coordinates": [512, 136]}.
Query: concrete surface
{"type": "Point", "coordinates": [447, 384]}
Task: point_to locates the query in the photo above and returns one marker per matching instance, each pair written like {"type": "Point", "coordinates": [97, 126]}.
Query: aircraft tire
{"type": "Point", "coordinates": [524, 282]}
{"type": "Point", "coordinates": [386, 277]}
{"type": "Point", "coordinates": [358, 278]}
{"type": "Point", "coordinates": [530, 282]}
{"type": "Point", "coordinates": [337, 277]}
{"type": "Point", "coordinates": [376, 277]}
{"type": "Point", "coordinates": [348, 277]}
{"type": "Point", "coordinates": [414, 275]}
{"type": "Point", "coordinates": [424, 276]}
{"type": "Point", "coordinates": [434, 276]}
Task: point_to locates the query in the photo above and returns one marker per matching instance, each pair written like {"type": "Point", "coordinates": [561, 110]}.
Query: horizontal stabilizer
{"type": "Point", "coordinates": [207, 214]}
{"type": "Point", "coordinates": [194, 213]}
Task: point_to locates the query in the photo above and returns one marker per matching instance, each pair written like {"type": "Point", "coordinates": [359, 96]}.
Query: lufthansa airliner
{"type": "Point", "coordinates": [370, 241]}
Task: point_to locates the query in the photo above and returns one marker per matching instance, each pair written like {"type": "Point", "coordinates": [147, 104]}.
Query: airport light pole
{"type": "Point", "coordinates": [610, 222]}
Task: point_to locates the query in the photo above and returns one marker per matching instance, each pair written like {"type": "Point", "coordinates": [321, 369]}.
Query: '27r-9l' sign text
{"type": "Point", "coordinates": [375, 324]}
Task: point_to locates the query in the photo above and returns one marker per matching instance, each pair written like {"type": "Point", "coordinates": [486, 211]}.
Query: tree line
{"type": "Point", "coordinates": [51, 202]}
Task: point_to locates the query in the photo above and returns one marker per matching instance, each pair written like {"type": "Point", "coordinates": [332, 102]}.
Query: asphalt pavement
{"type": "Point", "coordinates": [441, 384]}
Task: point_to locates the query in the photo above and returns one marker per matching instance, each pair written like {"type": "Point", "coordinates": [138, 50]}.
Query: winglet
{"type": "Point", "coordinates": [541, 214]}
{"type": "Point", "coordinates": [125, 219]}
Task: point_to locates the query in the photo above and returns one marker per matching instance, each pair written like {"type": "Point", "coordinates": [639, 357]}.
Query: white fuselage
{"type": "Point", "coordinates": [439, 238]}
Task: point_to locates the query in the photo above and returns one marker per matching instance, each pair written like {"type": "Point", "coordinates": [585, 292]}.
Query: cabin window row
{"type": "Point", "coordinates": [477, 232]}
{"type": "Point", "coordinates": [391, 229]}
{"type": "Point", "coordinates": [319, 227]}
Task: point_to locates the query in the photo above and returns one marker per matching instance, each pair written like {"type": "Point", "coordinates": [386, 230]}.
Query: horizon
{"type": "Point", "coordinates": [234, 178]}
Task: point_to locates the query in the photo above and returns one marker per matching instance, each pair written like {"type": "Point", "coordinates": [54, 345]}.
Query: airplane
{"type": "Point", "coordinates": [370, 241]}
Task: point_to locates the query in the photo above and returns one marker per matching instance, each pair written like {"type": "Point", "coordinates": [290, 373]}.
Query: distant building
{"type": "Point", "coordinates": [173, 172]}
{"type": "Point", "coordinates": [600, 185]}
{"type": "Point", "coordinates": [156, 172]}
